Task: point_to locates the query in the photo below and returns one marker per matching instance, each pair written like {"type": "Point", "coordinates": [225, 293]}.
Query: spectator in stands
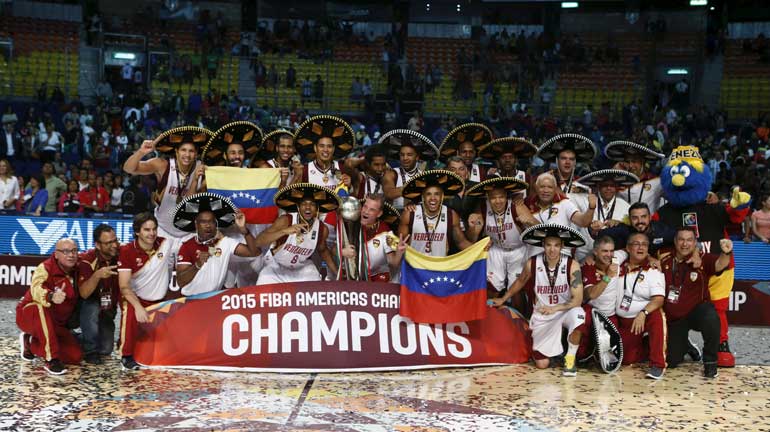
{"type": "Point", "coordinates": [127, 76]}
{"type": "Point", "coordinates": [11, 147]}
{"type": "Point", "coordinates": [9, 116]}
{"type": "Point", "coordinates": [763, 132]}
{"type": "Point", "coordinates": [54, 185]}
{"type": "Point", "coordinates": [69, 201]}
{"type": "Point", "coordinates": [35, 196]}
{"type": "Point", "coordinates": [416, 122]}
{"type": "Point", "coordinates": [9, 186]}
{"type": "Point", "coordinates": [759, 227]}
{"type": "Point", "coordinates": [318, 90]}
{"type": "Point", "coordinates": [116, 192]}
{"type": "Point", "coordinates": [356, 91]}
{"type": "Point", "coordinates": [93, 199]}
{"type": "Point", "coordinates": [682, 94]}
{"type": "Point", "coordinates": [291, 76]}
{"type": "Point", "coordinates": [134, 200]}
{"type": "Point", "coordinates": [51, 142]}
{"type": "Point", "coordinates": [307, 90]}
{"type": "Point", "coordinates": [42, 93]}
{"type": "Point", "coordinates": [272, 77]}
{"type": "Point", "coordinates": [104, 90]}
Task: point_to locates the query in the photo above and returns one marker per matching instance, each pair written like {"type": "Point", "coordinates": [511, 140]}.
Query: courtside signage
{"type": "Point", "coordinates": [30, 235]}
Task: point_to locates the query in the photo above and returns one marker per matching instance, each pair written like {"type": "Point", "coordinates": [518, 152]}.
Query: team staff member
{"type": "Point", "coordinates": [568, 150]}
{"type": "Point", "coordinates": [661, 235]}
{"type": "Point", "coordinates": [687, 304]}
{"type": "Point", "coordinates": [203, 259]}
{"type": "Point", "coordinates": [43, 312]}
{"type": "Point", "coordinates": [98, 285]}
{"type": "Point", "coordinates": [634, 158]}
{"type": "Point", "coordinates": [143, 279]}
{"type": "Point", "coordinates": [639, 307]}
{"type": "Point", "coordinates": [555, 286]}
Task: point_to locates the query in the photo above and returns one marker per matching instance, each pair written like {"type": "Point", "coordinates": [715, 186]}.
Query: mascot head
{"type": "Point", "coordinates": [686, 179]}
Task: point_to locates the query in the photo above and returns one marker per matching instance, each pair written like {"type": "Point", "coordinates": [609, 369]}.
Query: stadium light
{"type": "Point", "coordinates": [458, 7]}
{"type": "Point", "coordinates": [699, 2]}
{"type": "Point", "coordinates": [124, 56]}
{"type": "Point", "coordinates": [677, 71]}
{"type": "Point", "coordinates": [427, 7]}
{"type": "Point", "coordinates": [569, 5]}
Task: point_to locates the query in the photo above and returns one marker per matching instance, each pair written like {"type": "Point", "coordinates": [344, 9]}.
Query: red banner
{"type": "Point", "coordinates": [16, 273]}
{"type": "Point", "coordinates": [750, 304]}
{"type": "Point", "coordinates": [320, 326]}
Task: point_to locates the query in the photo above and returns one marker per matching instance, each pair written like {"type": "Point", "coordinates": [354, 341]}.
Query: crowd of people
{"type": "Point", "coordinates": [570, 250]}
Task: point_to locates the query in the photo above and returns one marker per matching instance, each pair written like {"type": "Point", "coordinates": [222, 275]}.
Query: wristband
{"type": "Point", "coordinates": [606, 279]}
{"type": "Point", "coordinates": [646, 313]}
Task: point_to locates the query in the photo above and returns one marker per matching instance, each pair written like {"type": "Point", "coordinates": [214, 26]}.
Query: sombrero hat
{"type": "Point", "coordinates": [619, 177]}
{"type": "Point", "coordinates": [269, 147]}
{"type": "Point", "coordinates": [395, 139]}
{"type": "Point", "coordinates": [448, 181]}
{"type": "Point", "coordinates": [510, 184]}
{"type": "Point", "coordinates": [584, 148]}
{"type": "Point", "coordinates": [474, 133]}
{"type": "Point", "coordinates": [167, 142]}
{"type": "Point", "coordinates": [520, 147]}
{"type": "Point", "coordinates": [317, 127]}
{"type": "Point", "coordinates": [188, 209]}
{"type": "Point", "coordinates": [289, 197]}
{"type": "Point", "coordinates": [536, 235]}
{"type": "Point", "coordinates": [621, 150]}
{"type": "Point", "coordinates": [238, 132]}
{"type": "Point", "coordinates": [389, 213]}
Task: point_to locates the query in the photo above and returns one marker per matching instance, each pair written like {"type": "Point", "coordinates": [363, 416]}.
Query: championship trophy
{"type": "Point", "coordinates": [350, 210]}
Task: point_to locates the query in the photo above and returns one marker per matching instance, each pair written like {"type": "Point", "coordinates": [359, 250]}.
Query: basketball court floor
{"type": "Point", "coordinates": [519, 397]}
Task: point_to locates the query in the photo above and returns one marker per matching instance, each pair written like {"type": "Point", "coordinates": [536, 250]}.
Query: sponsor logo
{"type": "Point", "coordinates": [38, 235]}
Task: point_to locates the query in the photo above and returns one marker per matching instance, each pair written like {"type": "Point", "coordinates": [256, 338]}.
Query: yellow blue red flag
{"type": "Point", "coordinates": [445, 289]}
{"type": "Point", "coordinates": [251, 190]}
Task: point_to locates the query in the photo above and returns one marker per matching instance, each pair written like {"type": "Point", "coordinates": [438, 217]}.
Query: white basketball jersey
{"type": "Point", "coordinates": [502, 229]}
{"type": "Point", "coordinates": [377, 249]}
{"type": "Point", "coordinates": [326, 178]}
{"type": "Point", "coordinates": [401, 178]}
{"type": "Point", "coordinates": [274, 164]}
{"type": "Point", "coordinates": [649, 192]}
{"type": "Point", "coordinates": [298, 247]}
{"type": "Point", "coordinates": [430, 235]}
{"type": "Point", "coordinates": [371, 186]}
{"type": "Point", "coordinates": [168, 202]}
{"type": "Point", "coordinates": [545, 294]}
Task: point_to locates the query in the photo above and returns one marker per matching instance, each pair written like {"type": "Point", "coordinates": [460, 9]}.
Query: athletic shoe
{"type": "Point", "coordinates": [55, 367]}
{"type": "Point", "coordinates": [693, 351]}
{"type": "Point", "coordinates": [128, 363]}
{"type": "Point", "coordinates": [24, 350]}
{"type": "Point", "coordinates": [655, 373]}
{"type": "Point", "coordinates": [710, 370]}
{"type": "Point", "coordinates": [93, 358]}
{"type": "Point", "coordinates": [570, 369]}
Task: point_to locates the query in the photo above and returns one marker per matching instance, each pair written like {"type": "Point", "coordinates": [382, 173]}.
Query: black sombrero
{"type": "Point", "coordinates": [167, 142]}
{"type": "Point", "coordinates": [395, 139]}
{"type": "Point", "coordinates": [619, 177]}
{"type": "Point", "coordinates": [269, 148]}
{"type": "Point", "coordinates": [389, 213]}
{"type": "Point", "coordinates": [536, 235]}
{"type": "Point", "coordinates": [290, 196]}
{"type": "Point", "coordinates": [245, 133]}
{"type": "Point", "coordinates": [584, 148]}
{"type": "Point", "coordinates": [520, 147]}
{"type": "Point", "coordinates": [186, 211]}
{"type": "Point", "coordinates": [510, 184]}
{"type": "Point", "coordinates": [474, 133]}
{"type": "Point", "coordinates": [621, 150]}
{"type": "Point", "coordinates": [448, 181]}
{"type": "Point", "coordinates": [324, 126]}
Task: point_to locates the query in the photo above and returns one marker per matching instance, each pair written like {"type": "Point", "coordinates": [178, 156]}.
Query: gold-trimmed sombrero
{"type": "Point", "coordinates": [448, 181]}
{"type": "Point", "coordinates": [188, 209]}
{"type": "Point", "coordinates": [520, 147]}
{"type": "Point", "coordinates": [389, 213]}
{"type": "Point", "coordinates": [619, 177]}
{"type": "Point", "coordinates": [289, 197]}
{"type": "Point", "coordinates": [622, 150]}
{"type": "Point", "coordinates": [395, 139]}
{"type": "Point", "coordinates": [269, 147]}
{"type": "Point", "coordinates": [320, 126]}
{"type": "Point", "coordinates": [584, 148]}
{"type": "Point", "coordinates": [536, 235]}
{"type": "Point", "coordinates": [245, 133]}
{"type": "Point", "coordinates": [474, 133]}
{"type": "Point", "coordinates": [510, 184]}
{"type": "Point", "coordinates": [167, 142]}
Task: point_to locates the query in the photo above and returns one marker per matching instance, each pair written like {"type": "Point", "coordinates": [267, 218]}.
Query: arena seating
{"type": "Point", "coordinates": [43, 51]}
{"type": "Point", "coordinates": [745, 86]}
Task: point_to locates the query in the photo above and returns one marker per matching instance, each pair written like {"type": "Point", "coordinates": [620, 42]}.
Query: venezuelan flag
{"type": "Point", "coordinates": [445, 289]}
{"type": "Point", "coordinates": [251, 190]}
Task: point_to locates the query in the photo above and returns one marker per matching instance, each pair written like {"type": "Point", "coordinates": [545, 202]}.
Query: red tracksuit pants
{"type": "Point", "coordinates": [49, 340]}
{"type": "Point", "coordinates": [634, 350]}
{"type": "Point", "coordinates": [129, 327]}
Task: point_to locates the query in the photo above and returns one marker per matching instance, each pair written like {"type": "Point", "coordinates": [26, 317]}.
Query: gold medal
{"type": "Point", "coordinates": [212, 251]}
{"type": "Point", "coordinates": [430, 227]}
{"type": "Point", "coordinates": [325, 179]}
{"type": "Point", "coordinates": [300, 238]}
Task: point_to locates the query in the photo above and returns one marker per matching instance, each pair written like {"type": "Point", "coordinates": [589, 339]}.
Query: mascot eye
{"type": "Point", "coordinates": [674, 171]}
{"type": "Point", "coordinates": [685, 171]}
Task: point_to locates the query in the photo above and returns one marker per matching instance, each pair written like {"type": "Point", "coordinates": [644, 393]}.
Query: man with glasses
{"type": "Point", "coordinates": [43, 312]}
{"type": "Point", "coordinates": [639, 307]}
{"type": "Point", "coordinates": [98, 286]}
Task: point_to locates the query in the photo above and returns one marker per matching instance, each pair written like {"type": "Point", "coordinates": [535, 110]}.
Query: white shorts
{"type": "Point", "coordinates": [546, 330]}
{"type": "Point", "coordinates": [504, 265]}
{"type": "Point", "coordinates": [273, 272]}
